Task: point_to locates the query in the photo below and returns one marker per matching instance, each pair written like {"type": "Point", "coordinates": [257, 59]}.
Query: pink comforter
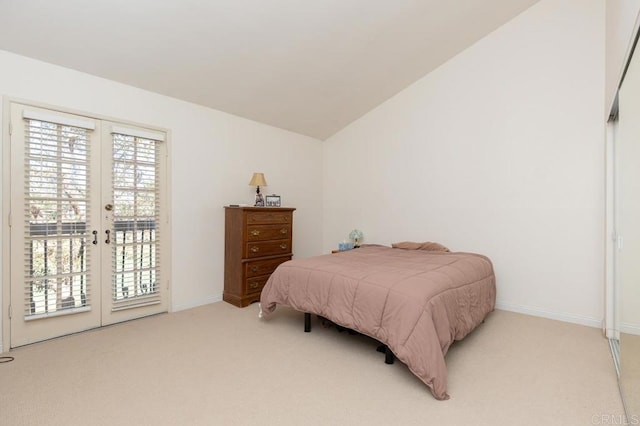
{"type": "Point", "coordinates": [416, 302]}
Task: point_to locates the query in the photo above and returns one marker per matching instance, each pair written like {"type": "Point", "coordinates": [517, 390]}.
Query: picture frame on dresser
{"type": "Point", "coordinates": [272, 200]}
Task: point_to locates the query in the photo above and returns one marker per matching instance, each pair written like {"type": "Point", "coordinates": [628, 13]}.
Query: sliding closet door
{"type": "Point", "coordinates": [628, 227]}
{"type": "Point", "coordinates": [89, 224]}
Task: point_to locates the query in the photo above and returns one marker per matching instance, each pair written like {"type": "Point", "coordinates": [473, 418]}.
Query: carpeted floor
{"type": "Point", "coordinates": [221, 365]}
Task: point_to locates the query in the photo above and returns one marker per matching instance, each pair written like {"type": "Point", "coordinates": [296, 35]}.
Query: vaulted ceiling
{"type": "Point", "coordinates": [311, 67]}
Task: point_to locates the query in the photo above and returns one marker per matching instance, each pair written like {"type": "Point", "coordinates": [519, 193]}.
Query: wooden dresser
{"type": "Point", "coordinates": [257, 240]}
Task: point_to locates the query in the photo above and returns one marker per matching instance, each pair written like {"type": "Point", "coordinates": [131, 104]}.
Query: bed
{"type": "Point", "coordinates": [416, 302]}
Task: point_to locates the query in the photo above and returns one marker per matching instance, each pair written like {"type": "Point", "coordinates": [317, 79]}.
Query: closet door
{"type": "Point", "coordinates": [628, 229]}
{"type": "Point", "coordinates": [55, 262]}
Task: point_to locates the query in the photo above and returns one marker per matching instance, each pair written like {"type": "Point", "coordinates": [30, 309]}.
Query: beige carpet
{"type": "Point", "coordinates": [221, 365]}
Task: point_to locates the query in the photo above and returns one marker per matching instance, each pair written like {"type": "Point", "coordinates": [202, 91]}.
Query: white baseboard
{"type": "Point", "coordinates": [559, 316]}
{"type": "Point", "coordinates": [627, 328]}
{"type": "Point", "coordinates": [196, 303]}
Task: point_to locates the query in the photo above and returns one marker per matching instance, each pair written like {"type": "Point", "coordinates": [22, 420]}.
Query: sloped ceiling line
{"type": "Point", "coordinates": [308, 67]}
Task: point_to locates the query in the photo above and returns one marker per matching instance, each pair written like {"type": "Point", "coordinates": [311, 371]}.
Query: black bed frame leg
{"type": "Point", "coordinates": [388, 355]}
{"type": "Point", "coordinates": [307, 322]}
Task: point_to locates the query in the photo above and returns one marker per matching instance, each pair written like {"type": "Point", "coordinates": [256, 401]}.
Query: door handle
{"type": "Point", "coordinates": [108, 240]}
{"type": "Point", "coordinates": [95, 237]}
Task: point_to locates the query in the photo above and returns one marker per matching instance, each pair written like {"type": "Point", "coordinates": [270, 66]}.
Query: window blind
{"type": "Point", "coordinates": [51, 117]}
{"type": "Point", "coordinates": [140, 133]}
{"type": "Point", "coordinates": [137, 228]}
{"type": "Point", "coordinates": [56, 228]}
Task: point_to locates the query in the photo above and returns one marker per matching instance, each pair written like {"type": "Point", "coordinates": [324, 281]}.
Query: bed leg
{"type": "Point", "coordinates": [307, 322]}
{"type": "Point", "coordinates": [388, 355]}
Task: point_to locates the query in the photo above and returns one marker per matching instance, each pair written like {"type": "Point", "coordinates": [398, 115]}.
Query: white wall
{"type": "Point", "coordinates": [213, 157]}
{"type": "Point", "coordinates": [621, 19]}
{"type": "Point", "coordinates": [499, 151]}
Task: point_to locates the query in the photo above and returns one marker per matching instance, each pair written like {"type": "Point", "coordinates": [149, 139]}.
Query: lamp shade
{"type": "Point", "coordinates": [258, 180]}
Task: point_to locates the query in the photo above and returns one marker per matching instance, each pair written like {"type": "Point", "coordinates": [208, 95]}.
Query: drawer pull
{"type": "Point", "coordinates": [255, 249]}
{"type": "Point", "coordinates": [255, 232]}
{"type": "Point", "coordinates": [254, 269]}
{"type": "Point", "coordinates": [283, 231]}
{"type": "Point", "coordinates": [283, 246]}
{"type": "Point", "coordinates": [254, 284]}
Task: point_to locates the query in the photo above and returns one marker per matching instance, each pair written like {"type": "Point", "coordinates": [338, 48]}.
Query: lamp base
{"type": "Point", "coordinates": [259, 200]}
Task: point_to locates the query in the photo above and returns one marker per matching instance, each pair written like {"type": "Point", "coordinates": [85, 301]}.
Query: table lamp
{"type": "Point", "coordinates": [256, 180]}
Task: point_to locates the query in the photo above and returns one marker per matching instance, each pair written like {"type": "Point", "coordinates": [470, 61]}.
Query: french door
{"type": "Point", "coordinates": [87, 223]}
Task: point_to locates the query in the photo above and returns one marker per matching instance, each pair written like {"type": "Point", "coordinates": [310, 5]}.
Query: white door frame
{"type": "Point", "coordinates": [5, 270]}
{"type": "Point", "coordinates": [612, 314]}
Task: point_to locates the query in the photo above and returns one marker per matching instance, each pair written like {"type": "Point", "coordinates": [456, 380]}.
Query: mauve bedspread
{"type": "Point", "coordinates": [416, 302]}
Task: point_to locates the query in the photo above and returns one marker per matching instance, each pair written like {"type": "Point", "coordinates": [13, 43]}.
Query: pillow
{"type": "Point", "coordinates": [410, 245]}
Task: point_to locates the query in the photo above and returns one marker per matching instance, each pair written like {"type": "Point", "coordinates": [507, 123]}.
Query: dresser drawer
{"type": "Point", "coordinates": [268, 248]}
{"type": "Point", "coordinates": [263, 267]}
{"type": "Point", "coordinates": [268, 232]}
{"type": "Point", "coordinates": [269, 217]}
{"type": "Point", "coordinates": [255, 285]}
